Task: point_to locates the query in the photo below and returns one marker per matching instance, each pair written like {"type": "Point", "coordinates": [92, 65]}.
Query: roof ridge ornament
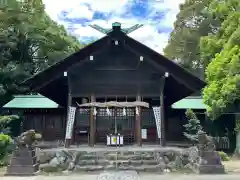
{"type": "Point", "coordinates": [116, 26]}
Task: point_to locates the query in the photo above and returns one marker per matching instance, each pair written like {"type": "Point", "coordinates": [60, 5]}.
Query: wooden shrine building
{"type": "Point", "coordinates": [114, 83]}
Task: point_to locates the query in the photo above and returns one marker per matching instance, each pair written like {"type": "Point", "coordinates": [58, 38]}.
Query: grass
{"type": "Point", "coordinates": [2, 171]}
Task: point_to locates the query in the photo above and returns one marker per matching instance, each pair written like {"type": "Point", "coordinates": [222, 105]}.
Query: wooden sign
{"type": "Point", "coordinates": [70, 122]}
{"type": "Point", "coordinates": [157, 115]}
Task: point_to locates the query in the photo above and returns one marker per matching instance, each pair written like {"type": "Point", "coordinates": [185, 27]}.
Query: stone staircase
{"type": "Point", "coordinates": [99, 161]}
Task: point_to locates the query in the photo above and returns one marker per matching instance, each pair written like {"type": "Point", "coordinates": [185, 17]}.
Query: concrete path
{"type": "Point", "coordinates": [103, 176]}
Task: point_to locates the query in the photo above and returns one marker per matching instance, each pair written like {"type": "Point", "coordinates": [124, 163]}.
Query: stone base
{"type": "Point", "coordinates": [22, 174]}
{"type": "Point", "coordinates": [209, 169]}
{"type": "Point", "coordinates": [23, 163]}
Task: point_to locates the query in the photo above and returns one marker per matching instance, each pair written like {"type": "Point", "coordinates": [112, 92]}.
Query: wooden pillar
{"type": "Point", "coordinates": [162, 112]}
{"type": "Point", "coordinates": [92, 124]}
{"type": "Point", "coordinates": [138, 125]}
{"type": "Point", "coordinates": [68, 141]}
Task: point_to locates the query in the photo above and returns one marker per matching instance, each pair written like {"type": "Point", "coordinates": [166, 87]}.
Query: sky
{"type": "Point", "coordinates": [157, 16]}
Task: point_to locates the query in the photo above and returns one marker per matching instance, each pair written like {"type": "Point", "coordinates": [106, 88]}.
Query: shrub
{"type": "Point", "coordinates": [8, 123]}
{"type": "Point", "coordinates": [192, 127]}
{"type": "Point", "coordinates": [38, 137]}
{"type": "Point", "coordinates": [5, 142]}
{"type": "Point", "coordinates": [223, 156]}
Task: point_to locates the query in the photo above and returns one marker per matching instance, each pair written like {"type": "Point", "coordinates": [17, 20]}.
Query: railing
{"type": "Point", "coordinates": [221, 143]}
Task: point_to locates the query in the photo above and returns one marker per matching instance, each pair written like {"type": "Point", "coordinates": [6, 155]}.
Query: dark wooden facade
{"type": "Point", "coordinates": [51, 123]}
{"type": "Point", "coordinates": [115, 68]}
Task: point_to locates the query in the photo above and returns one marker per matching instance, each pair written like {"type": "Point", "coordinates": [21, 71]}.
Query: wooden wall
{"type": "Point", "coordinates": [50, 123]}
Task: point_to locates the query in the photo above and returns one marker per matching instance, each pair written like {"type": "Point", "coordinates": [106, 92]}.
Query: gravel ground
{"type": "Point", "coordinates": [128, 176]}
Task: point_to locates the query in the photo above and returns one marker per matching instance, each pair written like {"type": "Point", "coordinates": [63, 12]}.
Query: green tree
{"type": "Point", "coordinates": [29, 42]}
{"type": "Point", "coordinates": [193, 22]}
{"type": "Point", "coordinates": [6, 122]}
{"type": "Point", "coordinates": [222, 50]}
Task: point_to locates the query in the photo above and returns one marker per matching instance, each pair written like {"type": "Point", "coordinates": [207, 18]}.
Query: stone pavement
{"type": "Point", "coordinates": [126, 175]}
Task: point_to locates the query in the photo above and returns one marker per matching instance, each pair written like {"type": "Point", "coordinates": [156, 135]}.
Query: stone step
{"type": "Point", "coordinates": [129, 157]}
{"type": "Point", "coordinates": [89, 168]}
{"type": "Point", "coordinates": [115, 156]}
{"type": "Point", "coordinates": [89, 157]}
{"type": "Point", "coordinates": [104, 162]}
{"type": "Point", "coordinates": [142, 168]}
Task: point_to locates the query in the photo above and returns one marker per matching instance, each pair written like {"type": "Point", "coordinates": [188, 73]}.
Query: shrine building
{"type": "Point", "coordinates": [115, 86]}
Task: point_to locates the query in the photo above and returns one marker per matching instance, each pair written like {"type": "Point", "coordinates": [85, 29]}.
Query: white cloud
{"type": "Point", "coordinates": [86, 31]}
{"type": "Point", "coordinates": [171, 7]}
{"type": "Point", "coordinates": [54, 7]}
{"type": "Point", "coordinates": [148, 34]}
{"type": "Point", "coordinates": [81, 12]}
{"type": "Point", "coordinates": [107, 6]}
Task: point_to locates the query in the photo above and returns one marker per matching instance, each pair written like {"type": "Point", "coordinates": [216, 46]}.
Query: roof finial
{"type": "Point", "coordinates": [115, 27]}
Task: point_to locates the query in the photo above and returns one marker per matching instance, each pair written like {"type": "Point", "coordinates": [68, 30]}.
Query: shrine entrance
{"type": "Point", "coordinates": [113, 119]}
{"type": "Point", "coordinates": [115, 123]}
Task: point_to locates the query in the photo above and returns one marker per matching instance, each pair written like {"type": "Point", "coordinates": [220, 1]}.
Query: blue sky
{"type": "Point", "coordinates": [157, 16]}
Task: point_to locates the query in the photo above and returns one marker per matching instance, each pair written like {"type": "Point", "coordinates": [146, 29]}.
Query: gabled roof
{"type": "Point", "coordinates": [191, 102]}
{"type": "Point", "coordinates": [54, 74]}
{"type": "Point", "coordinates": [41, 102]}
{"type": "Point", "coordinates": [31, 102]}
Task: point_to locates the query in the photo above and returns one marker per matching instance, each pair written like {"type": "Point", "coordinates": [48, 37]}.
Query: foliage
{"type": "Point", "coordinates": [29, 42]}
{"type": "Point", "coordinates": [237, 127]}
{"type": "Point", "coordinates": [193, 22]}
{"type": "Point", "coordinates": [222, 50]}
{"type": "Point", "coordinates": [5, 123]}
{"type": "Point", "coordinates": [192, 127]}
{"type": "Point", "coordinates": [5, 141]}
{"type": "Point", "coordinates": [38, 136]}
{"type": "Point", "coordinates": [223, 156]}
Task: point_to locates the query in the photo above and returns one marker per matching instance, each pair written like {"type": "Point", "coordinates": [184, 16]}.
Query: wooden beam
{"type": "Point", "coordinates": [69, 103]}
{"type": "Point", "coordinates": [138, 125]}
{"type": "Point", "coordinates": [68, 141]}
{"type": "Point", "coordinates": [92, 124]}
{"type": "Point", "coordinates": [162, 112]}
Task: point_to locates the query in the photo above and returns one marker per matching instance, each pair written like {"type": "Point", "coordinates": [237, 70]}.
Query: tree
{"type": "Point", "coordinates": [192, 127]}
{"type": "Point", "coordinates": [192, 23]}
{"type": "Point", "coordinates": [222, 50]}
{"type": "Point", "coordinates": [29, 42]}
{"type": "Point", "coordinates": [5, 123]}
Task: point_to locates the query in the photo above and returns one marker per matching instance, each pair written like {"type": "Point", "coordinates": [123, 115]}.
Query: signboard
{"type": "Point", "coordinates": [157, 115]}
{"type": "Point", "coordinates": [144, 133]}
{"type": "Point", "coordinates": [70, 122]}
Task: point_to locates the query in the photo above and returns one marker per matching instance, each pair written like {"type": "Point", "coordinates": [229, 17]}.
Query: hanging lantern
{"type": "Point", "coordinates": [137, 111]}
{"type": "Point", "coordinates": [124, 112]}
{"type": "Point", "coordinates": [108, 112]}
{"type": "Point", "coordinates": [94, 111]}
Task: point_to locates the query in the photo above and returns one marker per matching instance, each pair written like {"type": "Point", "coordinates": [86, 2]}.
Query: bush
{"type": "Point", "coordinates": [5, 142]}
{"type": "Point", "coordinates": [38, 137]}
{"type": "Point", "coordinates": [192, 127]}
{"type": "Point", "coordinates": [223, 156]}
{"type": "Point", "coordinates": [9, 124]}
